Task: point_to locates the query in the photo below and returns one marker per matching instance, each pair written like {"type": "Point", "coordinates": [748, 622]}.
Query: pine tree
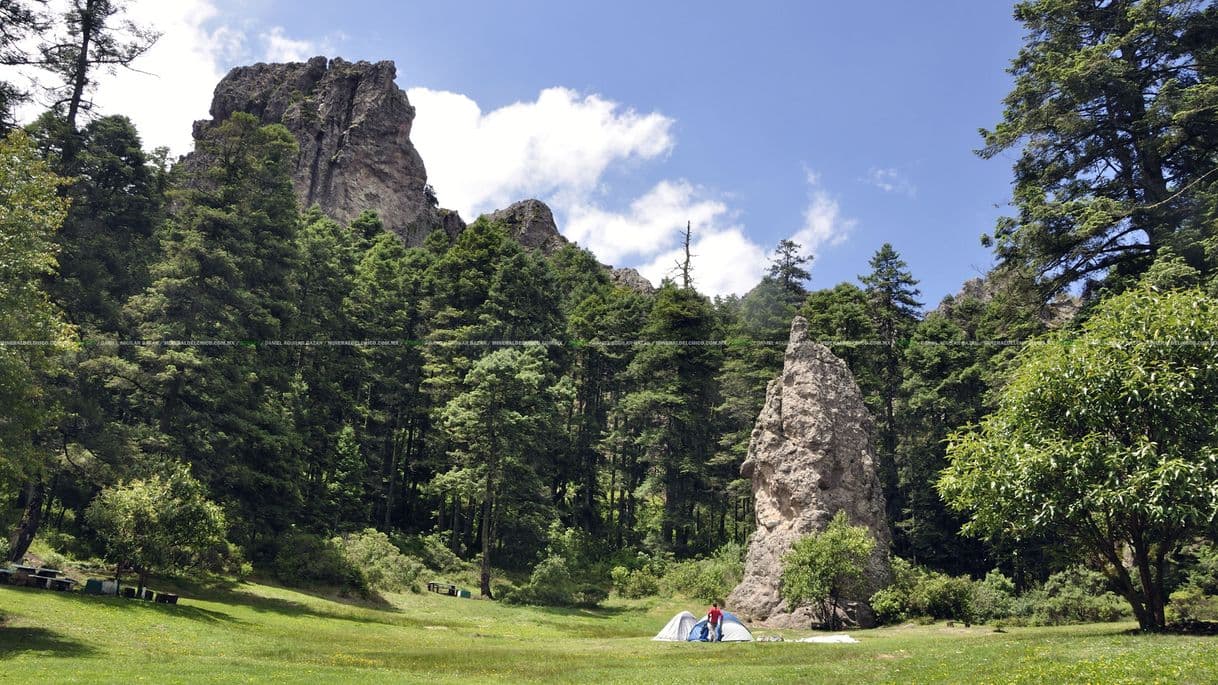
{"type": "Point", "coordinates": [224, 284]}
{"type": "Point", "coordinates": [1114, 109]}
{"type": "Point", "coordinates": [789, 268]}
{"type": "Point", "coordinates": [894, 310]}
{"type": "Point", "coordinates": [674, 392]}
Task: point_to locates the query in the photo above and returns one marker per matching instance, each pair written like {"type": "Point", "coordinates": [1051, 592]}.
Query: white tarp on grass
{"type": "Point", "coordinates": [829, 639]}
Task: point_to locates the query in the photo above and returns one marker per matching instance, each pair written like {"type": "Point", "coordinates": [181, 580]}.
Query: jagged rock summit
{"type": "Point", "coordinates": [531, 223]}
{"type": "Point", "coordinates": [353, 124]}
{"type": "Point", "coordinates": [809, 457]}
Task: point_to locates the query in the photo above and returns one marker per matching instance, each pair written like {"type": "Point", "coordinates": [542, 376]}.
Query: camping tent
{"type": "Point", "coordinates": [732, 630]}
{"type": "Point", "coordinates": [677, 630]}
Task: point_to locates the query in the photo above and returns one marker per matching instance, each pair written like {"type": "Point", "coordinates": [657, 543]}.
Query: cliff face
{"type": "Point", "coordinates": [352, 123]}
{"type": "Point", "coordinates": [809, 458]}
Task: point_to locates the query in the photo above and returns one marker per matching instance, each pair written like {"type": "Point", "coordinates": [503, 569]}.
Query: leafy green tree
{"type": "Point", "coordinates": [108, 241]}
{"type": "Point", "coordinates": [839, 318]}
{"type": "Point", "coordinates": [31, 210]}
{"type": "Point", "coordinates": [827, 567]}
{"type": "Point", "coordinates": [384, 305]}
{"type": "Point", "coordinates": [1105, 438]}
{"type": "Point", "coordinates": [160, 524]}
{"type": "Point", "coordinates": [1114, 107]}
{"type": "Point", "coordinates": [494, 427]}
{"type": "Point", "coordinates": [757, 326]}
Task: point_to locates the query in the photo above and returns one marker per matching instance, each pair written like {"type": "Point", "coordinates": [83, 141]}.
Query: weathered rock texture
{"type": "Point", "coordinates": [632, 279]}
{"type": "Point", "coordinates": [353, 126]}
{"type": "Point", "coordinates": [531, 223]}
{"type": "Point", "coordinates": [809, 458]}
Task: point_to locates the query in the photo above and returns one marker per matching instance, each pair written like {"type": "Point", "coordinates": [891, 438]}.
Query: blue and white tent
{"type": "Point", "coordinates": [733, 630]}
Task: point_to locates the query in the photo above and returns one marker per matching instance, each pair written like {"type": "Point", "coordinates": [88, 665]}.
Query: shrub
{"type": "Point", "coordinates": [382, 565]}
{"type": "Point", "coordinates": [706, 580]}
{"type": "Point", "coordinates": [994, 597]}
{"type": "Point", "coordinates": [633, 584]}
{"type": "Point", "coordinates": [941, 596]}
{"type": "Point", "coordinates": [549, 585]}
{"type": "Point", "coordinates": [304, 558]}
{"type": "Point", "coordinates": [1076, 595]}
{"type": "Point", "coordinates": [52, 559]}
{"type": "Point", "coordinates": [1204, 575]}
{"type": "Point", "coordinates": [430, 549]}
{"type": "Point", "coordinates": [1190, 603]}
{"type": "Point", "coordinates": [890, 605]}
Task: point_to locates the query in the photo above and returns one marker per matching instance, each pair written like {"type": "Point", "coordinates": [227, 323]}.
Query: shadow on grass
{"type": "Point", "coordinates": [590, 612]}
{"type": "Point", "coordinates": [186, 611]}
{"type": "Point", "coordinates": [17, 641]}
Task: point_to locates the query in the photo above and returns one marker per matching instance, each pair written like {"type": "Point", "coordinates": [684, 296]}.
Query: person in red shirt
{"type": "Point", "coordinates": [714, 618]}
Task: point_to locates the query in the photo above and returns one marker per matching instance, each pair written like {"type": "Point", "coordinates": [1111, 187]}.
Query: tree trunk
{"type": "Point", "coordinates": [80, 79]}
{"type": "Point", "coordinates": [485, 577]}
{"type": "Point", "coordinates": [27, 528]}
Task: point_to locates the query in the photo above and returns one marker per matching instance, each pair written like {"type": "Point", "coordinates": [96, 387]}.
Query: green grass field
{"type": "Point", "coordinates": [258, 633]}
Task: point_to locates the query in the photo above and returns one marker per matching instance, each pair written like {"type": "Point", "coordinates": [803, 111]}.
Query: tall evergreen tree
{"type": "Point", "coordinates": [1114, 108]}
{"type": "Point", "coordinates": [674, 392]}
{"type": "Point", "coordinates": [894, 309]}
{"type": "Point", "coordinates": [789, 268]}
{"type": "Point", "coordinates": [494, 427]}
{"type": "Point", "coordinates": [96, 35]}
{"type": "Point", "coordinates": [223, 284]}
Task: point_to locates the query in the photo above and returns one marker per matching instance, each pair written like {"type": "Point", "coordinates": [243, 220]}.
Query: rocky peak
{"type": "Point", "coordinates": [809, 457]}
{"type": "Point", "coordinates": [353, 124]}
{"type": "Point", "coordinates": [631, 278]}
{"type": "Point", "coordinates": [531, 223]}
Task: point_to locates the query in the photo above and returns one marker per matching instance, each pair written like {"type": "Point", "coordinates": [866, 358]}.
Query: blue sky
{"type": "Point", "coordinates": [843, 124]}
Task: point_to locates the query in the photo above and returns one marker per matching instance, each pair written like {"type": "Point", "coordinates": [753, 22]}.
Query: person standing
{"type": "Point", "coordinates": [714, 618]}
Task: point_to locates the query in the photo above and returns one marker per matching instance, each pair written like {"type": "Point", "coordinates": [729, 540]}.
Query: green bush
{"type": "Point", "coordinates": [382, 565]}
{"type": "Point", "coordinates": [307, 559]}
{"type": "Point", "coordinates": [917, 593]}
{"type": "Point", "coordinates": [1204, 574]}
{"type": "Point", "coordinates": [1076, 595]}
{"type": "Point", "coordinates": [993, 597]}
{"type": "Point", "coordinates": [55, 560]}
{"type": "Point", "coordinates": [890, 605]}
{"type": "Point", "coordinates": [431, 549]}
{"type": "Point", "coordinates": [637, 583]}
{"type": "Point", "coordinates": [941, 596]}
{"type": "Point", "coordinates": [706, 580]}
{"type": "Point", "coordinates": [1190, 603]}
{"type": "Point", "coordinates": [549, 585]}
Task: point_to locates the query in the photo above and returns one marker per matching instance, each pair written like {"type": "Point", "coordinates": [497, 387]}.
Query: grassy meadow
{"type": "Point", "coordinates": [259, 633]}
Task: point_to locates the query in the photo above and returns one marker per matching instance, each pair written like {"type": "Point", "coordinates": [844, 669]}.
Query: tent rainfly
{"type": "Point", "coordinates": [677, 630]}
{"type": "Point", "coordinates": [733, 630]}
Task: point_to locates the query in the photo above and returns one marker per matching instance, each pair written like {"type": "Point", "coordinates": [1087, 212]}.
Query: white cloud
{"type": "Point", "coordinates": [557, 146]}
{"type": "Point", "coordinates": [724, 261]}
{"type": "Point", "coordinates": [653, 221]}
{"type": "Point", "coordinates": [281, 48]}
{"type": "Point", "coordinates": [824, 224]}
{"type": "Point", "coordinates": [891, 180]}
{"type": "Point", "coordinates": [172, 83]}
